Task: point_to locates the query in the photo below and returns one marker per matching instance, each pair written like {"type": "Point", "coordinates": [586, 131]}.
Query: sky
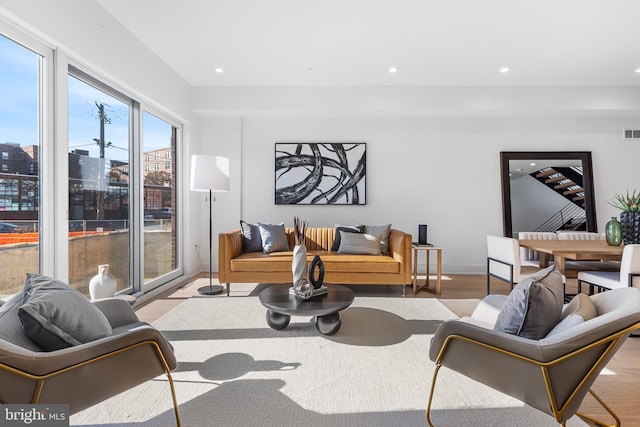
{"type": "Point", "coordinates": [19, 68]}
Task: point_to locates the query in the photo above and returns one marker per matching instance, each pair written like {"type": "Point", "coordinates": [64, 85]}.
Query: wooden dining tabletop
{"type": "Point", "coordinates": [572, 249]}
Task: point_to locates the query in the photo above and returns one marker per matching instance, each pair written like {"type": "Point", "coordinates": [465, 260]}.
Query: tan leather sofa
{"type": "Point", "coordinates": [393, 269]}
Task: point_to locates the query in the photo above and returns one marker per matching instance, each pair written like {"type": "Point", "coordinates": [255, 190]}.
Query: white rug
{"type": "Point", "coordinates": [235, 371]}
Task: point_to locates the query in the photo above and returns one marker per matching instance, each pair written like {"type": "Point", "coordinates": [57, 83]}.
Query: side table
{"type": "Point", "coordinates": [427, 249]}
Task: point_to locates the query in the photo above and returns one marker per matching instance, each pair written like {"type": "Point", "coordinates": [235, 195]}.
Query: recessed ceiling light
{"type": "Point", "coordinates": [393, 69]}
{"type": "Point", "coordinates": [219, 70]}
{"type": "Point", "coordinates": [637, 70]}
{"type": "Point", "coordinates": [504, 70]}
{"type": "Point", "coordinates": [532, 164]}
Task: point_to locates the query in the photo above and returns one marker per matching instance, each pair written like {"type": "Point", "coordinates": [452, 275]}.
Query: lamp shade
{"type": "Point", "coordinates": [209, 173]}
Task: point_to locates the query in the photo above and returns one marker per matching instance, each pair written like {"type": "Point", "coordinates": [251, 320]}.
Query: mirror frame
{"type": "Point", "coordinates": [584, 156]}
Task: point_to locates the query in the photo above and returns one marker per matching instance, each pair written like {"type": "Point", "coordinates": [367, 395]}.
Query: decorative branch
{"type": "Point", "coordinates": [299, 230]}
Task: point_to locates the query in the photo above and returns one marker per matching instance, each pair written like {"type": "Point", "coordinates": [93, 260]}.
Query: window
{"type": "Point", "coordinates": [167, 165]}
{"type": "Point", "coordinates": [21, 107]}
{"type": "Point", "coordinates": [167, 154]}
{"type": "Point", "coordinates": [160, 243]}
{"type": "Point", "coordinates": [157, 156]}
{"type": "Point", "coordinates": [99, 141]}
{"type": "Point", "coordinates": [157, 166]}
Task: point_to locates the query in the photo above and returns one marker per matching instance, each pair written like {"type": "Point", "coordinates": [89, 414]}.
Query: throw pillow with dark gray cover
{"type": "Point", "coordinates": [347, 229]}
{"type": "Point", "coordinates": [251, 240]}
{"type": "Point", "coordinates": [534, 306]}
{"type": "Point", "coordinates": [56, 316]}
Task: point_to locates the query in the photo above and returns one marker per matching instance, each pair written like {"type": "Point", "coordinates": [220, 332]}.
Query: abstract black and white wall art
{"type": "Point", "coordinates": [320, 173]}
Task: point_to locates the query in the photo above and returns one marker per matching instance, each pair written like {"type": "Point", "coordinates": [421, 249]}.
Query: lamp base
{"type": "Point", "coordinates": [210, 290]}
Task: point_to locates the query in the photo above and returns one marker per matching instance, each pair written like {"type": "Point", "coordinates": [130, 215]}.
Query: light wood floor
{"type": "Point", "coordinates": [617, 385]}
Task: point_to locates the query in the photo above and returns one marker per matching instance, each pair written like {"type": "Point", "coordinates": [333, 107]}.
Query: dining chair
{"type": "Point", "coordinates": [572, 267]}
{"type": "Point", "coordinates": [503, 261]}
{"type": "Point", "coordinates": [579, 235]}
{"type": "Point", "coordinates": [627, 276]}
{"type": "Point", "coordinates": [529, 257]}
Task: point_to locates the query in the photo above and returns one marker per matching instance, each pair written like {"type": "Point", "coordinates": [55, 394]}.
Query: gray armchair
{"type": "Point", "coordinates": [85, 374]}
{"type": "Point", "coordinates": [552, 374]}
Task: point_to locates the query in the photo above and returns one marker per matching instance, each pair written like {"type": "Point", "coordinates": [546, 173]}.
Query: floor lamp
{"type": "Point", "coordinates": [210, 173]}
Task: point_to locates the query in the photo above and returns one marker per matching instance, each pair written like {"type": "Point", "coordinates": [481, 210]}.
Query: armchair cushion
{"type": "Point", "coordinates": [56, 316]}
{"type": "Point", "coordinates": [534, 306]}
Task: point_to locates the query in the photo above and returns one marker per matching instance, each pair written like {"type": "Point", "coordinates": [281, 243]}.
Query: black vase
{"type": "Point", "coordinates": [316, 263]}
{"type": "Point", "coordinates": [630, 222]}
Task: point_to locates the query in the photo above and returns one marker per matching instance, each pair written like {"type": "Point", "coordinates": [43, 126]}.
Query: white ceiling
{"type": "Point", "coordinates": [355, 42]}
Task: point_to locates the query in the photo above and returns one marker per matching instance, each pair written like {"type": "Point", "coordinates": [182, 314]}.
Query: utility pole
{"type": "Point", "coordinates": [101, 163]}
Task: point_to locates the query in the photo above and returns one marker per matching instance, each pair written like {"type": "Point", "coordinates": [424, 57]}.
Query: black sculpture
{"type": "Point", "coordinates": [316, 264]}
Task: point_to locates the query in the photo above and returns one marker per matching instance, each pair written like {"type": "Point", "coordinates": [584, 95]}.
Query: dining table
{"type": "Point", "coordinates": [563, 250]}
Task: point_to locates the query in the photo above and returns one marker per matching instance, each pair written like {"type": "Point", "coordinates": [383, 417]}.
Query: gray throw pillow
{"type": "Point", "coordinates": [383, 231]}
{"type": "Point", "coordinates": [578, 311]}
{"type": "Point", "coordinates": [251, 240]}
{"type": "Point", "coordinates": [346, 228]}
{"type": "Point", "coordinates": [274, 238]}
{"type": "Point", "coordinates": [534, 306]}
{"type": "Point", "coordinates": [10, 326]}
{"type": "Point", "coordinates": [359, 243]}
{"type": "Point", "coordinates": [56, 316]}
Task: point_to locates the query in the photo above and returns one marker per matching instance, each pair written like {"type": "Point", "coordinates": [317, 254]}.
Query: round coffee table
{"type": "Point", "coordinates": [281, 305]}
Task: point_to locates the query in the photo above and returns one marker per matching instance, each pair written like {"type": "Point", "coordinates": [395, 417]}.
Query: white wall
{"type": "Point", "coordinates": [441, 171]}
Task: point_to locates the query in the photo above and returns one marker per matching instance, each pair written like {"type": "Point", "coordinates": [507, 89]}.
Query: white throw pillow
{"type": "Point", "coordinates": [357, 243]}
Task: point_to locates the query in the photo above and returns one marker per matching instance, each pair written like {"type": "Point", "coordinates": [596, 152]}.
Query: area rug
{"type": "Point", "coordinates": [235, 371]}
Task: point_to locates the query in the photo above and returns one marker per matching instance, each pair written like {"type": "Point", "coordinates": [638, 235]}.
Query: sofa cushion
{"type": "Point", "coordinates": [56, 316]}
{"type": "Point", "coordinates": [251, 240]}
{"type": "Point", "coordinates": [383, 231]}
{"type": "Point", "coordinates": [357, 243]}
{"type": "Point", "coordinates": [534, 306]}
{"type": "Point", "coordinates": [274, 238]}
{"type": "Point", "coordinates": [280, 262]}
{"type": "Point", "coordinates": [347, 229]}
{"type": "Point", "coordinates": [579, 310]}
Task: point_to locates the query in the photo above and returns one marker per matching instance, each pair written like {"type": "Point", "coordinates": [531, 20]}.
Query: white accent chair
{"type": "Point", "coordinates": [553, 374]}
{"type": "Point", "coordinates": [530, 257]}
{"type": "Point", "coordinates": [627, 276]}
{"type": "Point", "coordinates": [503, 261]}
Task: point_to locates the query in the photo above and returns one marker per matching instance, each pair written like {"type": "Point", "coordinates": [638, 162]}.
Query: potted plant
{"type": "Point", "coordinates": [629, 204]}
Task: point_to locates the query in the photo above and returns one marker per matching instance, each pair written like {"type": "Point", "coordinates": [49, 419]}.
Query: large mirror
{"type": "Point", "coordinates": [547, 191]}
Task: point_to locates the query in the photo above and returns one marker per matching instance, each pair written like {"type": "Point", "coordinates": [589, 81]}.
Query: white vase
{"type": "Point", "coordinates": [102, 285]}
{"type": "Point", "coordinates": [299, 263]}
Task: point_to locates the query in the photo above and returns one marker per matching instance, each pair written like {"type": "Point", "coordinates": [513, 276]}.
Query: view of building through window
{"type": "Point", "coordinates": [19, 164]}
{"type": "Point", "coordinates": [111, 189]}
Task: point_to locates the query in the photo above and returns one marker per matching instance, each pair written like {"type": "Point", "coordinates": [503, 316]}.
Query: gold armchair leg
{"type": "Point", "coordinates": [606, 407]}
{"type": "Point", "coordinates": [175, 401]}
{"type": "Point", "coordinates": [433, 386]}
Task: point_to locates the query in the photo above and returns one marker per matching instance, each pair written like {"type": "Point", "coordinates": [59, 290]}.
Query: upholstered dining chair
{"type": "Point", "coordinates": [46, 356]}
{"type": "Point", "coordinates": [627, 276]}
{"type": "Point", "coordinates": [503, 261]}
{"type": "Point", "coordinates": [529, 257]}
{"type": "Point", "coordinates": [552, 374]}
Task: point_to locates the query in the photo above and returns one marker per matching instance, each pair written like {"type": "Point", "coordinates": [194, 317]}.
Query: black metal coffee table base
{"type": "Point", "coordinates": [325, 309]}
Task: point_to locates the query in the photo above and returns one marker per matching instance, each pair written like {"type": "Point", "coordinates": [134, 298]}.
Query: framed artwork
{"type": "Point", "coordinates": [320, 173]}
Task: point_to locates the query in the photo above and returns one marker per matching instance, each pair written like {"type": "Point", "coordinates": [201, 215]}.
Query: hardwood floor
{"type": "Point", "coordinates": [617, 384]}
